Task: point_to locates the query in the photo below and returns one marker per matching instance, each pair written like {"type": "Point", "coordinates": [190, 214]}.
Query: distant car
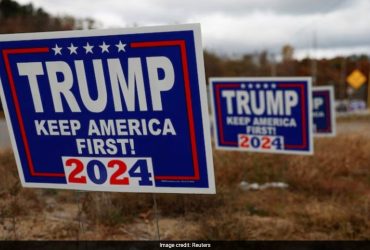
{"type": "Point", "coordinates": [341, 106]}
{"type": "Point", "coordinates": [357, 105]}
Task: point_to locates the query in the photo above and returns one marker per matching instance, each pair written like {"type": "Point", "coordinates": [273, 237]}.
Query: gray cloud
{"type": "Point", "coordinates": [242, 7]}
{"type": "Point", "coordinates": [238, 26]}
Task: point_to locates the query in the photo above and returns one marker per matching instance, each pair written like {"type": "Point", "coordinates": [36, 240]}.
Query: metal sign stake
{"type": "Point", "coordinates": [156, 216]}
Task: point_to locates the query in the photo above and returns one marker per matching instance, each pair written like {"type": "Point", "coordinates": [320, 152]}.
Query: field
{"type": "Point", "coordinates": [328, 198]}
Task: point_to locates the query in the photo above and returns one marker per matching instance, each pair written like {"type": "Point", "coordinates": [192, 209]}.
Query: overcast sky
{"type": "Point", "coordinates": [234, 27]}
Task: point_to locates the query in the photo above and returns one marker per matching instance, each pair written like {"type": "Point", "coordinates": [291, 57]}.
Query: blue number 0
{"type": "Point", "coordinates": [102, 172]}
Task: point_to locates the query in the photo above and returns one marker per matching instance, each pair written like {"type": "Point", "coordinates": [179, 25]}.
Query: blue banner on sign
{"type": "Point", "coordinates": [323, 111]}
{"type": "Point", "coordinates": [114, 110]}
{"type": "Point", "coordinates": [263, 114]}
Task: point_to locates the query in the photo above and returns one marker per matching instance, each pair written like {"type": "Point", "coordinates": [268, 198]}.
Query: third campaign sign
{"type": "Point", "coordinates": [109, 110]}
{"type": "Point", "coordinates": [263, 114]}
{"type": "Point", "coordinates": [323, 111]}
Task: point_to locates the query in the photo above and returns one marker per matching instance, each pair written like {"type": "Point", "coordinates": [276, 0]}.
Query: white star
{"type": "Point", "coordinates": [57, 50]}
{"type": "Point", "coordinates": [104, 47]}
{"type": "Point", "coordinates": [242, 85]}
{"type": "Point", "coordinates": [72, 49]}
{"type": "Point", "coordinates": [250, 86]}
{"type": "Point", "coordinates": [121, 46]}
{"type": "Point", "coordinates": [258, 85]}
{"type": "Point", "coordinates": [266, 86]}
{"type": "Point", "coordinates": [88, 48]}
{"type": "Point", "coordinates": [273, 85]}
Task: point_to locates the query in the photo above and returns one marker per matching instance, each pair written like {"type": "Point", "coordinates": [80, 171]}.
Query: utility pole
{"type": "Point", "coordinates": [343, 69]}
{"type": "Point", "coordinates": [313, 58]}
{"type": "Point", "coordinates": [273, 65]}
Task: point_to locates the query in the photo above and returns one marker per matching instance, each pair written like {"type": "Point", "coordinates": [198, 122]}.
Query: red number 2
{"type": "Point", "coordinates": [122, 168]}
{"type": "Point", "coordinates": [244, 141]}
{"type": "Point", "coordinates": [266, 142]}
{"type": "Point", "coordinates": [79, 166]}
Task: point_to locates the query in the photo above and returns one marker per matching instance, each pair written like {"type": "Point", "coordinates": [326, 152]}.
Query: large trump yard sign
{"type": "Point", "coordinates": [323, 111]}
{"type": "Point", "coordinates": [112, 110]}
{"type": "Point", "coordinates": [263, 114]}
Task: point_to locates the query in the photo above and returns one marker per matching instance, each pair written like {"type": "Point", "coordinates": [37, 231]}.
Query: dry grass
{"type": "Point", "coordinates": [328, 198]}
{"type": "Point", "coordinates": [343, 172]}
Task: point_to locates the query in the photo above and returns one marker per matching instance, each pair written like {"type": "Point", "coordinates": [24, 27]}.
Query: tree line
{"type": "Point", "coordinates": [332, 71]}
{"type": "Point", "coordinates": [17, 18]}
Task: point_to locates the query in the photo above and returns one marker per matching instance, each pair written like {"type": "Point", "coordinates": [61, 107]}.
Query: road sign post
{"type": "Point", "coordinates": [368, 92]}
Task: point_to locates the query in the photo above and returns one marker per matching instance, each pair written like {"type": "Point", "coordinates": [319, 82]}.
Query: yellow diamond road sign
{"type": "Point", "coordinates": [356, 79]}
